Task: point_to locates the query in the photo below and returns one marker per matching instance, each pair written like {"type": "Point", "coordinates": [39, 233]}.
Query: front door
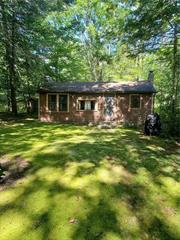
{"type": "Point", "coordinates": [109, 108]}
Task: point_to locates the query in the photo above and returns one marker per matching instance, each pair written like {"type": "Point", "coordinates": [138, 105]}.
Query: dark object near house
{"type": "Point", "coordinates": [1, 173]}
{"type": "Point", "coordinates": [152, 124]}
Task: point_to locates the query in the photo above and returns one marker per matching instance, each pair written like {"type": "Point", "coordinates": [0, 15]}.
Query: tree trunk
{"type": "Point", "coordinates": [12, 68]}
{"type": "Point", "coordinates": [174, 79]}
{"type": "Point", "coordinates": [9, 40]}
{"type": "Point", "coordinates": [8, 99]}
{"type": "Point", "coordinates": [174, 70]}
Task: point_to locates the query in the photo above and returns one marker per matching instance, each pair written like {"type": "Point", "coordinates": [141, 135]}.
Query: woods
{"type": "Point", "coordinates": [89, 41]}
{"type": "Point", "coordinates": [89, 119]}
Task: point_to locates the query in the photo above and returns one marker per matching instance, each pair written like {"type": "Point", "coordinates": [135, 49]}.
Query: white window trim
{"type": "Point", "coordinates": [57, 102]}
{"type": "Point", "coordinates": [130, 95]}
{"type": "Point", "coordinates": [86, 110]}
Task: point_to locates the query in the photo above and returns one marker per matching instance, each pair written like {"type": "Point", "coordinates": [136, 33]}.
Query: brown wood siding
{"type": "Point", "coordinates": [122, 111]}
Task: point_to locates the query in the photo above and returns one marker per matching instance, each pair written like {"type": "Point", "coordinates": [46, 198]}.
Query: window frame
{"type": "Point", "coordinates": [57, 102]}
{"type": "Point", "coordinates": [130, 101]}
{"type": "Point", "coordinates": [86, 110]}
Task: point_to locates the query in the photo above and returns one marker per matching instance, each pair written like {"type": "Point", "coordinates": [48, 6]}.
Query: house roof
{"type": "Point", "coordinates": [99, 87]}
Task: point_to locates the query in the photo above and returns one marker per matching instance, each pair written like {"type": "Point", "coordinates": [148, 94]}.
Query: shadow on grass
{"type": "Point", "coordinates": [88, 184]}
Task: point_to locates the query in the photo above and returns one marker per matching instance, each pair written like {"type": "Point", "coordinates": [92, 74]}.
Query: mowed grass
{"type": "Point", "coordinates": [88, 184]}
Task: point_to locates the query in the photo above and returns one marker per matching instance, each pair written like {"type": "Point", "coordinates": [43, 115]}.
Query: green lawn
{"type": "Point", "coordinates": [89, 184]}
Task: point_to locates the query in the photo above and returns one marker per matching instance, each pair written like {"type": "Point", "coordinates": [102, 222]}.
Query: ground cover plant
{"type": "Point", "coordinates": [86, 183]}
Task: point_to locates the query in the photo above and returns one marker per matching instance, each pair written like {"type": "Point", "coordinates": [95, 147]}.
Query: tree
{"type": "Point", "coordinates": [22, 45]}
{"type": "Point", "coordinates": [12, 25]}
{"type": "Point", "coordinates": [96, 26]}
{"type": "Point", "coordinates": [8, 27]}
{"type": "Point", "coordinates": [153, 25]}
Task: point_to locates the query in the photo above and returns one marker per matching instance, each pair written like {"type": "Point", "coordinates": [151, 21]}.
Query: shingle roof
{"type": "Point", "coordinates": [99, 87]}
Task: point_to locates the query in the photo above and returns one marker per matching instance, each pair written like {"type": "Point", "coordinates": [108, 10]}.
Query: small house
{"type": "Point", "coordinates": [83, 102]}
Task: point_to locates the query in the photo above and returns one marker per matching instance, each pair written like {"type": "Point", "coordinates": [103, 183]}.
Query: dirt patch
{"type": "Point", "coordinates": [12, 169]}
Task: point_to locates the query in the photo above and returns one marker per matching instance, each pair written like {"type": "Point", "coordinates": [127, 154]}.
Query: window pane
{"type": "Point", "coordinates": [135, 101]}
{"type": "Point", "coordinates": [87, 105]}
{"type": "Point", "coordinates": [81, 105]}
{"type": "Point", "coordinates": [92, 105]}
{"type": "Point", "coordinates": [52, 102]}
{"type": "Point", "coordinates": [63, 103]}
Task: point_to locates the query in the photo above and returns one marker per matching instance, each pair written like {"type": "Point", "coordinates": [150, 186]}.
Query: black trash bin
{"type": "Point", "coordinates": [152, 124]}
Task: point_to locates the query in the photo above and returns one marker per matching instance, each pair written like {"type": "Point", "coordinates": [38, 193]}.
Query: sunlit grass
{"type": "Point", "coordinates": [85, 183]}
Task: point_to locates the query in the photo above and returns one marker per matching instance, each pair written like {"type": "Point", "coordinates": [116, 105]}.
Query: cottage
{"type": "Point", "coordinates": [123, 102]}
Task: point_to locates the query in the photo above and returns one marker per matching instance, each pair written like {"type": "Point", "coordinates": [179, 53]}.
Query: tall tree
{"type": "Point", "coordinates": [8, 26]}
{"type": "Point", "coordinates": [153, 25]}
{"type": "Point", "coordinates": [21, 36]}
{"type": "Point", "coordinates": [96, 25]}
{"type": "Point", "coordinates": [12, 20]}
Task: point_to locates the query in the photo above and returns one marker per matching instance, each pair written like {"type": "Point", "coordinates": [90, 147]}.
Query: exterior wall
{"type": "Point", "coordinates": [122, 112]}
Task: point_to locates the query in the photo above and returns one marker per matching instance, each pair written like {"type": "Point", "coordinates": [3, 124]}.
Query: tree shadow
{"type": "Point", "coordinates": [117, 184]}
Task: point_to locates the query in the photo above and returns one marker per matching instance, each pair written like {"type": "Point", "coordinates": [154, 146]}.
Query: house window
{"type": "Point", "coordinates": [93, 104]}
{"type": "Point", "coordinates": [52, 102]}
{"type": "Point", "coordinates": [135, 101]}
{"type": "Point", "coordinates": [81, 105]}
{"type": "Point", "coordinates": [63, 103]}
{"type": "Point", "coordinates": [86, 104]}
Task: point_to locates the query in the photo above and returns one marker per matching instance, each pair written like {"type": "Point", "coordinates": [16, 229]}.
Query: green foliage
{"type": "Point", "coordinates": [95, 24]}
{"type": "Point", "coordinates": [153, 26]}
{"type": "Point", "coordinates": [150, 24]}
